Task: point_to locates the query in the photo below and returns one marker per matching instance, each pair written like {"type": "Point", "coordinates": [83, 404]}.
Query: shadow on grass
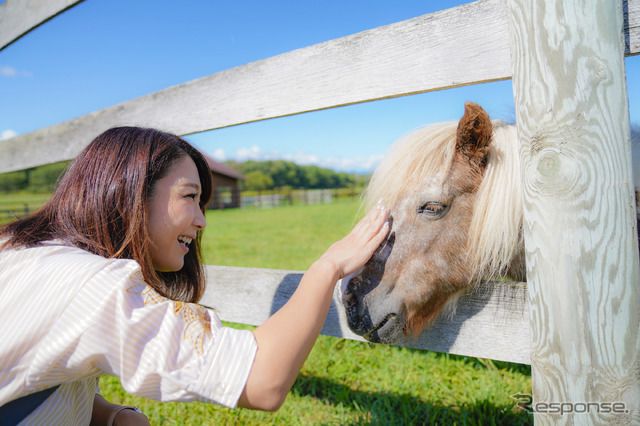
{"type": "Point", "coordinates": [489, 364]}
{"type": "Point", "coordinates": [398, 409]}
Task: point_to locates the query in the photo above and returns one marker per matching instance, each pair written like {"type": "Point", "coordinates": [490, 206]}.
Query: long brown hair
{"type": "Point", "coordinates": [101, 205]}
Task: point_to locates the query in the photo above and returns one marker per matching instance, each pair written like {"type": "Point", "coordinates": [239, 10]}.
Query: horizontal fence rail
{"type": "Point", "coordinates": [427, 53]}
{"type": "Point", "coordinates": [19, 17]}
{"type": "Point", "coordinates": [490, 322]}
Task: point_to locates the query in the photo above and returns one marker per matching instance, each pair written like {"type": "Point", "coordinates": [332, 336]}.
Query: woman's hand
{"type": "Point", "coordinates": [130, 417]}
{"type": "Point", "coordinates": [286, 338]}
{"type": "Point", "coordinates": [353, 251]}
{"type": "Point", "coordinates": [107, 414]}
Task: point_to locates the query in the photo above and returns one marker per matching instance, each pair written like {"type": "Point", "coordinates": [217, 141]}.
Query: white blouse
{"type": "Point", "coordinates": [68, 317]}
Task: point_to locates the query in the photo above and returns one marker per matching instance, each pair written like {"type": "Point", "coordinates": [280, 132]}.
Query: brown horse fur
{"type": "Point", "coordinates": [433, 185]}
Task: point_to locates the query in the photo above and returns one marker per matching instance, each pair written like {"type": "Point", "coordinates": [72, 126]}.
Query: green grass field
{"type": "Point", "coordinates": [343, 381]}
{"type": "Point", "coordinates": [17, 204]}
{"type": "Point", "coordinates": [290, 237]}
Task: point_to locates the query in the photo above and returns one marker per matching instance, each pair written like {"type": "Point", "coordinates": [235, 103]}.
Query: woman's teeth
{"type": "Point", "coordinates": [184, 240]}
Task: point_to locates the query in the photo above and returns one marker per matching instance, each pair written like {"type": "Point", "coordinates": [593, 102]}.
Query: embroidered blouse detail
{"type": "Point", "coordinates": [197, 321]}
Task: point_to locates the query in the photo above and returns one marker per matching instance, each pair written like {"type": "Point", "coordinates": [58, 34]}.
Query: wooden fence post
{"type": "Point", "coordinates": [580, 225]}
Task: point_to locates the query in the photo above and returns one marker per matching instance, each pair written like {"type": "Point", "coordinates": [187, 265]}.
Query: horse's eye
{"type": "Point", "coordinates": [434, 209]}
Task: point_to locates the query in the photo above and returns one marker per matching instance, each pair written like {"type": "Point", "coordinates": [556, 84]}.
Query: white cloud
{"type": "Point", "coordinates": [357, 165]}
{"type": "Point", "coordinates": [302, 158]}
{"type": "Point", "coordinates": [8, 134]}
{"type": "Point", "coordinates": [8, 71]}
{"type": "Point", "coordinates": [219, 155]}
{"type": "Point", "coordinates": [255, 153]}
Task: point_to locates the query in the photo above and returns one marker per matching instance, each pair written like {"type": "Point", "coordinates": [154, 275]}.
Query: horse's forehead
{"type": "Point", "coordinates": [430, 188]}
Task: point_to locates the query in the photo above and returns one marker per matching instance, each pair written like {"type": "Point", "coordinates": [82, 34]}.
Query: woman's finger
{"type": "Point", "coordinates": [371, 223]}
{"type": "Point", "coordinates": [356, 249]}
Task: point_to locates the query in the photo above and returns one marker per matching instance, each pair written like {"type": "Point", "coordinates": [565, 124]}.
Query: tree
{"type": "Point", "coordinates": [258, 181]}
{"type": "Point", "coordinates": [13, 181]}
{"type": "Point", "coordinates": [285, 173]}
{"type": "Point", "coordinates": [45, 178]}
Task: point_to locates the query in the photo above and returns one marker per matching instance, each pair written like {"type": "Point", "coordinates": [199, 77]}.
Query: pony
{"type": "Point", "coordinates": [454, 196]}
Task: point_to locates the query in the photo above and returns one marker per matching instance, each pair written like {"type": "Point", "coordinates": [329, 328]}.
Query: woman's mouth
{"type": "Point", "coordinates": [184, 242]}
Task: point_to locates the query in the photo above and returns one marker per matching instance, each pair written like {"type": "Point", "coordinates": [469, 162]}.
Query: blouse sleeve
{"type": "Point", "coordinates": [159, 348]}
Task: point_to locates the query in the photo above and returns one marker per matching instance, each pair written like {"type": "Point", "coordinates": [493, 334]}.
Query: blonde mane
{"type": "Point", "coordinates": [426, 152]}
{"type": "Point", "coordinates": [495, 235]}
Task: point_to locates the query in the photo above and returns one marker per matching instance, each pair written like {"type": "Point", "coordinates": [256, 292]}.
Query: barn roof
{"type": "Point", "coordinates": [222, 169]}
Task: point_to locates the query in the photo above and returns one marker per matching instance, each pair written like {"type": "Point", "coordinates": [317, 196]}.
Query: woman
{"type": "Point", "coordinates": [103, 279]}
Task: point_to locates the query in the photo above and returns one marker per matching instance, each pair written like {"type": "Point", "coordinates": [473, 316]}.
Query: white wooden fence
{"type": "Point", "coordinates": [578, 323]}
{"type": "Point", "coordinates": [303, 196]}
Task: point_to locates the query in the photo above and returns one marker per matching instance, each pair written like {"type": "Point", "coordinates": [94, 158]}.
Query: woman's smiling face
{"type": "Point", "coordinates": [174, 215]}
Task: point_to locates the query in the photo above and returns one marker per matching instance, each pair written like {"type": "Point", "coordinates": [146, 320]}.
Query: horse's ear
{"type": "Point", "coordinates": [474, 135]}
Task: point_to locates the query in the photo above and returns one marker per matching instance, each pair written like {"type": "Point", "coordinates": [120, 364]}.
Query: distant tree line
{"type": "Point", "coordinates": [40, 179]}
{"type": "Point", "coordinates": [266, 175]}
{"type": "Point", "coordinates": [261, 175]}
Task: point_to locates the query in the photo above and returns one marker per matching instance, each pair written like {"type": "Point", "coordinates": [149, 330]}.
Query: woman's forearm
{"type": "Point", "coordinates": [285, 340]}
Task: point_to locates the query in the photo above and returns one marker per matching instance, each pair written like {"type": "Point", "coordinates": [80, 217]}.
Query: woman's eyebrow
{"type": "Point", "coordinates": [195, 186]}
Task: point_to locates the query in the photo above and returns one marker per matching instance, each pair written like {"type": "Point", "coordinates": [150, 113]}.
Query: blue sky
{"type": "Point", "coordinates": [104, 52]}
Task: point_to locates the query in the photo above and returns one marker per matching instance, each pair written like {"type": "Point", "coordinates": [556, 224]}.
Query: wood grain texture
{"type": "Point", "coordinates": [492, 322]}
{"type": "Point", "coordinates": [631, 29]}
{"type": "Point", "coordinates": [579, 225]}
{"type": "Point", "coordinates": [19, 17]}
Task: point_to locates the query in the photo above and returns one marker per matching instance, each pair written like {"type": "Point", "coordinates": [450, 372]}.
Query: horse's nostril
{"type": "Point", "coordinates": [352, 305]}
{"type": "Point", "coordinates": [360, 310]}
{"type": "Point", "coordinates": [348, 299]}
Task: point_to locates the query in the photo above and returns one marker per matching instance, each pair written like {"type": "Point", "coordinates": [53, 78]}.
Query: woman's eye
{"type": "Point", "coordinates": [193, 196]}
{"type": "Point", "coordinates": [433, 208]}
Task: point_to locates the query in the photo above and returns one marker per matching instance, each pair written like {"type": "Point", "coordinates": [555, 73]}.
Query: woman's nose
{"type": "Point", "coordinates": [199, 220]}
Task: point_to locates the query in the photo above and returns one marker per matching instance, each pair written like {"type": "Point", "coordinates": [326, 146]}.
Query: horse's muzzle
{"type": "Point", "coordinates": [377, 327]}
